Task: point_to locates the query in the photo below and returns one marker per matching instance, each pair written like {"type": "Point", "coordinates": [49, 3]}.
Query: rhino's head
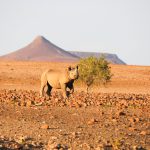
{"type": "Point", "coordinates": [73, 73]}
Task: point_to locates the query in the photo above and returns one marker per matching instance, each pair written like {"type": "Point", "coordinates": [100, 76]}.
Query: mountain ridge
{"type": "Point", "coordinates": [41, 49]}
{"type": "Point", "coordinates": [112, 58]}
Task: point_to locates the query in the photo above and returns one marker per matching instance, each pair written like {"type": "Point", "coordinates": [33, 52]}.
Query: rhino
{"type": "Point", "coordinates": [59, 80]}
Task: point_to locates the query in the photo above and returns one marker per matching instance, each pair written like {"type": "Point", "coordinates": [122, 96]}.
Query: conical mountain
{"type": "Point", "coordinates": [40, 50]}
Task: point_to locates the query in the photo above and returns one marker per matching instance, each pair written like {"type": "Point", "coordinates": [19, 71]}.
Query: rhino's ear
{"type": "Point", "coordinates": [69, 68]}
{"type": "Point", "coordinates": [77, 66]}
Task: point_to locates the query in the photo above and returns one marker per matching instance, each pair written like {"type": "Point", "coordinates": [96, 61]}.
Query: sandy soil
{"type": "Point", "coordinates": [113, 117]}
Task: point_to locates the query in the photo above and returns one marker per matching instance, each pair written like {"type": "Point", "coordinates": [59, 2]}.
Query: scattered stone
{"type": "Point", "coordinates": [112, 114]}
{"type": "Point", "coordinates": [114, 120]}
{"type": "Point", "coordinates": [54, 145]}
{"type": "Point", "coordinates": [45, 126]}
{"type": "Point", "coordinates": [75, 134]}
{"type": "Point", "coordinates": [99, 147]}
{"type": "Point", "coordinates": [132, 120]}
{"type": "Point", "coordinates": [92, 121]}
{"type": "Point", "coordinates": [131, 129]}
{"type": "Point", "coordinates": [22, 139]}
{"type": "Point", "coordinates": [143, 133]}
{"type": "Point", "coordinates": [108, 146]}
{"type": "Point", "coordinates": [137, 119]}
{"type": "Point", "coordinates": [29, 103]}
{"type": "Point", "coordinates": [82, 99]}
{"type": "Point", "coordinates": [121, 113]}
{"type": "Point", "coordinates": [22, 142]}
{"type": "Point", "coordinates": [85, 146]}
{"type": "Point", "coordinates": [138, 148]}
{"type": "Point", "coordinates": [39, 104]}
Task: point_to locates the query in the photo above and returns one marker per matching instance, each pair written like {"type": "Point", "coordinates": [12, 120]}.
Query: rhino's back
{"type": "Point", "coordinates": [56, 78]}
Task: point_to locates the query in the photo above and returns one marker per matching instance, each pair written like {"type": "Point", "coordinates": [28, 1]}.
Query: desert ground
{"type": "Point", "coordinates": [114, 117]}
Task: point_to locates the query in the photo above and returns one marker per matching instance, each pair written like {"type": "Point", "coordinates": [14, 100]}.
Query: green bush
{"type": "Point", "coordinates": [94, 69]}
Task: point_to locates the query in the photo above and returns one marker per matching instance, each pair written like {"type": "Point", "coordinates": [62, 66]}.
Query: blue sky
{"type": "Point", "coordinates": [112, 26]}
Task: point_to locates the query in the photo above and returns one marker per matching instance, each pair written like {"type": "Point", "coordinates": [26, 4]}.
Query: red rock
{"type": "Point", "coordinates": [92, 121]}
{"type": "Point", "coordinates": [137, 119]}
{"type": "Point", "coordinates": [29, 103]}
{"type": "Point", "coordinates": [132, 120]}
{"type": "Point", "coordinates": [121, 113]}
{"type": "Point", "coordinates": [131, 128]}
{"type": "Point", "coordinates": [143, 133]}
{"type": "Point", "coordinates": [45, 126]}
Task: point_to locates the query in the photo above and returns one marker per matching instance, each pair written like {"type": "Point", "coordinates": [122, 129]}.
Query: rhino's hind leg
{"type": "Point", "coordinates": [42, 90]}
{"type": "Point", "coordinates": [43, 84]}
{"type": "Point", "coordinates": [49, 88]}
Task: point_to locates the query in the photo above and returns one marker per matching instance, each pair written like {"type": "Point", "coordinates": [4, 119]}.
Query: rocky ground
{"type": "Point", "coordinates": [108, 121]}
{"type": "Point", "coordinates": [115, 117]}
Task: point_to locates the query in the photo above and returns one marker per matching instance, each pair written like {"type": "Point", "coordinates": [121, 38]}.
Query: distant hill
{"type": "Point", "coordinates": [40, 49]}
{"type": "Point", "coordinates": [112, 58]}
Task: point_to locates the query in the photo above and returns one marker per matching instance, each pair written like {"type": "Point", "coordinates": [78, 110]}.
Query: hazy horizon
{"type": "Point", "coordinates": [118, 27]}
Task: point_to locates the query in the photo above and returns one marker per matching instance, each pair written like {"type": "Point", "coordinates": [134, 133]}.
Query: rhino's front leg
{"type": "Point", "coordinates": [63, 87]}
{"type": "Point", "coordinates": [71, 89]}
{"type": "Point", "coordinates": [70, 86]}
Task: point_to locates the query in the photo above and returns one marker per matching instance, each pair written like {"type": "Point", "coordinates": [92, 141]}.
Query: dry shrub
{"type": "Point", "coordinates": [94, 70]}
